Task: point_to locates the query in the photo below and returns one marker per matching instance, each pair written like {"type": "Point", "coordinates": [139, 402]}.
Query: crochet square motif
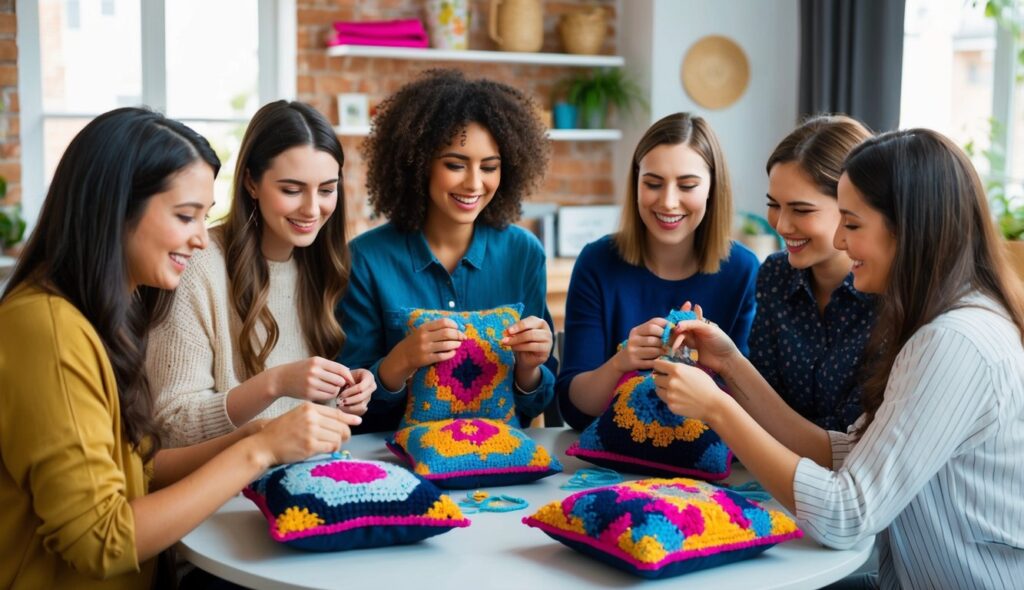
{"type": "Point", "coordinates": [477, 381]}
{"type": "Point", "coordinates": [472, 452]}
{"type": "Point", "coordinates": [661, 527]}
{"type": "Point", "coordinates": [334, 504]}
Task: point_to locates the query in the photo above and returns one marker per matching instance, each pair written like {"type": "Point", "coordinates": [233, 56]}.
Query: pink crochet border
{"type": "Point", "coordinates": [400, 452]}
{"type": "Point", "coordinates": [574, 450]}
{"type": "Point", "coordinates": [671, 558]}
{"type": "Point", "coordinates": [363, 521]}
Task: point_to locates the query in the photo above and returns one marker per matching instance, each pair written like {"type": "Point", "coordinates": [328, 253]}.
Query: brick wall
{"type": "Point", "coordinates": [580, 172]}
{"type": "Point", "coordinates": [10, 144]}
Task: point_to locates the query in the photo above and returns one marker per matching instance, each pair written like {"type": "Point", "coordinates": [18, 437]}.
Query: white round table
{"type": "Point", "coordinates": [496, 551]}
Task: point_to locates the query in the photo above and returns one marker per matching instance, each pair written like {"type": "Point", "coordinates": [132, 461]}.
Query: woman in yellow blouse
{"type": "Point", "coordinates": [89, 499]}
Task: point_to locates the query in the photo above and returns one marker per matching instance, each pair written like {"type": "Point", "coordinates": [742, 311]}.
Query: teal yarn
{"type": "Point", "coordinates": [752, 490]}
{"type": "Point", "coordinates": [487, 503]}
{"type": "Point", "coordinates": [592, 477]}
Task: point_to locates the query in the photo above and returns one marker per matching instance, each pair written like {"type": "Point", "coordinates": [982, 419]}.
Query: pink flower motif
{"type": "Point", "coordinates": [475, 431]}
{"type": "Point", "coordinates": [349, 472]}
{"type": "Point", "coordinates": [468, 372]}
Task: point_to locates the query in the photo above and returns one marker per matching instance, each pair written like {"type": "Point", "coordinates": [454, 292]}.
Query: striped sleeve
{"type": "Point", "coordinates": [938, 399]}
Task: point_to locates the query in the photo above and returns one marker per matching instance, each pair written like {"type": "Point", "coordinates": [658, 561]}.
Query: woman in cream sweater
{"type": "Point", "coordinates": [252, 328]}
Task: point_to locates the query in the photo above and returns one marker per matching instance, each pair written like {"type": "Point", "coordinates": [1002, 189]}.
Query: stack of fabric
{"type": "Point", "coordinates": [389, 33]}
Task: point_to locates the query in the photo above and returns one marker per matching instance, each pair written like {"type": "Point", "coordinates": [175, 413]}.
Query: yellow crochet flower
{"type": "Point", "coordinates": [294, 520]}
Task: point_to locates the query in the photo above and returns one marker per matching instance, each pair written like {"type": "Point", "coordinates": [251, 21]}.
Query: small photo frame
{"type": "Point", "coordinates": [353, 110]}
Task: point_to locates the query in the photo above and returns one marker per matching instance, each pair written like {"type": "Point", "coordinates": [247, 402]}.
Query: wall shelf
{"type": "Point", "coordinates": [472, 55]}
{"type": "Point", "coordinates": [554, 134]}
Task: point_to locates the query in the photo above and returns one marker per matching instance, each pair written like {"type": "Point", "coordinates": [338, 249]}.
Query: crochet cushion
{"type": "Point", "coordinates": [477, 381]}
{"type": "Point", "coordinates": [334, 504]}
{"type": "Point", "coordinates": [663, 527]}
{"type": "Point", "coordinates": [638, 433]}
{"type": "Point", "coordinates": [472, 452]}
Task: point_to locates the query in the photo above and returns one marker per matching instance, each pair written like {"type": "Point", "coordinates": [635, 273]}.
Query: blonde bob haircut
{"type": "Point", "coordinates": [711, 238]}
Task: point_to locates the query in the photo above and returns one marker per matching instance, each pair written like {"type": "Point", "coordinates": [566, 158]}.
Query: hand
{"type": "Point", "coordinates": [687, 391]}
{"type": "Point", "coordinates": [303, 432]}
{"type": "Point", "coordinates": [642, 347]}
{"type": "Point", "coordinates": [714, 348]}
{"type": "Point", "coordinates": [315, 379]}
{"type": "Point", "coordinates": [530, 339]}
{"type": "Point", "coordinates": [431, 343]}
{"type": "Point", "coordinates": [355, 398]}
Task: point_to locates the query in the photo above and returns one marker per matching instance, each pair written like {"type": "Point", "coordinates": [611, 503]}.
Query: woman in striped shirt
{"type": "Point", "coordinates": [935, 465]}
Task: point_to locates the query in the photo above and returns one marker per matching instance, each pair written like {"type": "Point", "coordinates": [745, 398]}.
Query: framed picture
{"type": "Point", "coordinates": [577, 226]}
{"type": "Point", "coordinates": [353, 110]}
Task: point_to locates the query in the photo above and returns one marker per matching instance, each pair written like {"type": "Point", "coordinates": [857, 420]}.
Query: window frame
{"type": "Point", "coordinates": [276, 54]}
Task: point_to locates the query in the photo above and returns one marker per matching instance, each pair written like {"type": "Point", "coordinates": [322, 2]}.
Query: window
{"type": "Point", "coordinates": [208, 64]}
{"type": "Point", "coordinates": [960, 77]}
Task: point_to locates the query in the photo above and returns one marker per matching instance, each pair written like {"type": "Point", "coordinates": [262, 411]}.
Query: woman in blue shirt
{"type": "Point", "coordinates": [673, 246]}
{"type": "Point", "coordinates": [811, 325]}
{"type": "Point", "coordinates": [449, 160]}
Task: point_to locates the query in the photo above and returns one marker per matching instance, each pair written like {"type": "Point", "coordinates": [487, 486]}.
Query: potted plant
{"type": "Point", "coordinates": [12, 224]}
{"type": "Point", "coordinates": [595, 91]}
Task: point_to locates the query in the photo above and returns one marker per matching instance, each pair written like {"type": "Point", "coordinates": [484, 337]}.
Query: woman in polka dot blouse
{"type": "Point", "coordinates": [811, 325]}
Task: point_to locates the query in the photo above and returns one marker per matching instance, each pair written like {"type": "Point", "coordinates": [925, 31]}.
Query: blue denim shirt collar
{"type": "Point", "coordinates": [421, 256]}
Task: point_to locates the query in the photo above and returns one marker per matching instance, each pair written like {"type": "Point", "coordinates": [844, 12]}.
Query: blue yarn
{"type": "Point", "coordinates": [752, 490]}
{"type": "Point", "coordinates": [502, 503]}
{"type": "Point", "coordinates": [592, 477]}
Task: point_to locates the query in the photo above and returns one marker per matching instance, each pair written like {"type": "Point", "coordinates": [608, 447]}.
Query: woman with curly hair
{"type": "Point", "coordinates": [672, 246]}
{"type": "Point", "coordinates": [449, 161]}
{"type": "Point", "coordinates": [252, 333]}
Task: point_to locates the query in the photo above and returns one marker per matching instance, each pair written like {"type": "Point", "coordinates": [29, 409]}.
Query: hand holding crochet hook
{"type": "Point", "coordinates": [686, 389]}
{"type": "Point", "coordinates": [531, 340]}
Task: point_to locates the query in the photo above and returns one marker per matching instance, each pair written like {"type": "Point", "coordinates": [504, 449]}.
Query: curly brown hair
{"type": "Point", "coordinates": [424, 116]}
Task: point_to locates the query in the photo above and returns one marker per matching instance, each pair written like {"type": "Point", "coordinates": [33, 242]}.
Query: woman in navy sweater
{"type": "Point", "coordinates": [673, 246]}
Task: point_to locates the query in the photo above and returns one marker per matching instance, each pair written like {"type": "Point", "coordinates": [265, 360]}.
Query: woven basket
{"type": "Point", "coordinates": [516, 25]}
{"type": "Point", "coordinates": [583, 32]}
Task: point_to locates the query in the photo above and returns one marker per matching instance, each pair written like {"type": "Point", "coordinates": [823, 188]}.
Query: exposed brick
{"type": "Point", "coordinates": [8, 75]}
{"type": "Point", "coordinates": [8, 50]}
{"type": "Point", "coordinates": [8, 24]}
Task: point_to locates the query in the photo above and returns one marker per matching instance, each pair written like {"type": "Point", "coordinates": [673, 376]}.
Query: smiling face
{"type": "Point", "coordinates": [866, 239]}
{"type": "Point", "coordinates": [672, 195]}
{"type": "Point", "coordinates": [464, 177]}
{"type": "Point", "coordinates": [172, 227]}
{"type": "Point", "coordinates": [804, 216]}
{"type": "Point", "coordinates": [296, 196]}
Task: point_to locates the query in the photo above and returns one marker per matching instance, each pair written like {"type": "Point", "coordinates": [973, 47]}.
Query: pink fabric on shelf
{"type": "Point", "coordinates": [385, 28]}
{"type": "Point", "coordinates": [377, 41]}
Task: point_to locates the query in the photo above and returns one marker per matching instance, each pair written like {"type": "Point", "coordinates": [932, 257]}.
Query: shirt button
{"type": "Point", "coordinates": [451, 304]}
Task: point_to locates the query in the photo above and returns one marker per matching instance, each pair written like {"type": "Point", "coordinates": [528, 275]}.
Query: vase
{"type": "Point", "coordinates": [516, 25]}
{"type": "Point", "coordinates": [566, 116]}
{"type": "Point", "coordinates": [448, 24]}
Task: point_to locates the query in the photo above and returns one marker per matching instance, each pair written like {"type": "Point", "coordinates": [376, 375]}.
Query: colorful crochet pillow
{"type": "Point", "coordinates": [472, 452]}
{"type": "Point", "coordinates": [664, 527]}
{"type": "Point", "coordinates": [639, 434]}
{"type": "Point", "coordinates": [477, 381]}
{"type": "Point", "coordinates": [334, 504]}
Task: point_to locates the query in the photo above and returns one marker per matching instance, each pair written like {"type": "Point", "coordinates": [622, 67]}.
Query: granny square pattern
{"type": "Point", "coordinates": [472, 452]}
{"type": "Point", "coordinates": [639, 434]}
{"type": "Point", "coordinates": [658, 528]}
{"type": "Point", "coordinates": [334, 504]}
{"type": "Point", "coordinates": [477, 381]}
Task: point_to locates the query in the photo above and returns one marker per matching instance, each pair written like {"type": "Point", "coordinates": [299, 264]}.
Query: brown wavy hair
{"type": "Point", "coordinates": [711, 238]}
{"type": "Point", "coordinates": [946, 243]}
{"type": "Point", "coordinates": [820, 146]}
{"type": "Point", "coordinates": [323, 266]}
{"type": "Point", "coordinates": [99, 193]}
{"type": "Point", "coordinates": [424, 116]}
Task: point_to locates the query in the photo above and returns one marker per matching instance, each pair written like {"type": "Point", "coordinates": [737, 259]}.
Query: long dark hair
{"type": "Point", "coordinates": [98, 195]}
{"type": "Point", "coordinates": [946, 243]}
{"type": "Point", "coordinates": [323, 266]}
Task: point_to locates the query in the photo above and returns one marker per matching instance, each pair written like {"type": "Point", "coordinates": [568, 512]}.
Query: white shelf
{"type": "Point", "coordinates": [7, 263]}
{"type": "Point", "coordinates": [554, 134]}
{"type": "Point", "coordinates": [511, 57]}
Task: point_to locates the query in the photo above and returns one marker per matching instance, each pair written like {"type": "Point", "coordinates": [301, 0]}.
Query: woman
{"type": "Point", "coordinates": [933, 465]}
{"type": "Point", "coordinates": [89, 497]}
{"type": "Point", "coordinates": [256, 337]}
{"type": "Point", "coordinates": [811, 324]}
{"type": "Point", "coordinates": [673, 245]}
{"type": "Point", "coordinates": [449, 161]}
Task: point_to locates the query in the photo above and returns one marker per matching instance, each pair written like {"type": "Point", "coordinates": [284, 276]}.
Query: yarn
{"type": "Point", "coordinates": [592, 477]}
{"type": "Point", "coordinates": [481, 501]}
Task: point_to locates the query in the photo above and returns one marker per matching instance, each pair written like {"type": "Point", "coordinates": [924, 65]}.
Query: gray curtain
{"type": "Point", "coordinates": [851, 59]}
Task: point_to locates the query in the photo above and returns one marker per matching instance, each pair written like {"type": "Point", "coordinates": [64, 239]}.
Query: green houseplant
{"type": "Point", "coordinates": [593, 92]}
{"type": "Point", "coordinates": [12, 224]}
